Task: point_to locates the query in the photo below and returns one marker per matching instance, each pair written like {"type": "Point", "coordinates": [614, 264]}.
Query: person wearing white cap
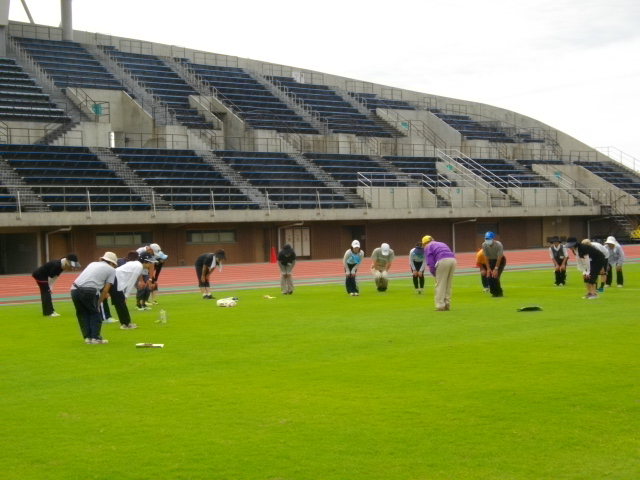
{"type": "Point", "coordinates": [88, 291]}
{"type": "Point", "coordinates": [352, 258]}
{"type": "Point", "coordinates": [382, 258]}
{"type": "Point", "coordinates": [616, 259]}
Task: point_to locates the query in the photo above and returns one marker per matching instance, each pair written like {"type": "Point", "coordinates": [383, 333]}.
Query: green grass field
{"type": "Point", "coordinates": [320, 385]}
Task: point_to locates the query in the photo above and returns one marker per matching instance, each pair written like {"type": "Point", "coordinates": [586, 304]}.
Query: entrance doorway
{"type": "Point", "coordinates": [18, 253]}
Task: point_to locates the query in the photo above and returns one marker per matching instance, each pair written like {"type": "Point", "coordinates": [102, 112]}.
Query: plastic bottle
{"type": "Point", "coordinates": [162, 317]}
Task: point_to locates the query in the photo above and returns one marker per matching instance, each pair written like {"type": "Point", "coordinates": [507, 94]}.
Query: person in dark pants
{"type": "Point", "coordinates": [286, 262]}
{"type": "Point", "coordinates": [148, 262]}
{"type": "Point", "coordinates": [559, 258]}
{"type": "Point", "coordinates": [494, 256]}
{"type": "Point", "coordinates": [128, 276]}
{"type": "Point", "coordinates": [46, 275]}
{"type": "Point", "coordinates": [88, 291]}
{"type": "Point", "coordinates": [616, 259]}
{"type": "Point", "coordinates": [160, 257]}
{"type": "Point", "coordinates": [352, 258]}
{"type": "Point", "coordinates": [205, 264]}
{"type": "Point", "coordinates": [591, 261]}
{"type": "Point", "coordinates": [417, 266]}
{"type": "Point", "coordinates": [481, 263]}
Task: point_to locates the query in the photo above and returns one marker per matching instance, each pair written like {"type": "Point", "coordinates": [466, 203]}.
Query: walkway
{"type": "Point", "coordinates": [22, 288]}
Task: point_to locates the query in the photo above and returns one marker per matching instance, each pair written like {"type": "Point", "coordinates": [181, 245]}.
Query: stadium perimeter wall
{"type": "Point", "coordinates": [24, 248]}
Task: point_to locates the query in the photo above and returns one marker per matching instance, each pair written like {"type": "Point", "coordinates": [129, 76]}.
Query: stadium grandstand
{"type": "Point", "coordinates": [109, 142]}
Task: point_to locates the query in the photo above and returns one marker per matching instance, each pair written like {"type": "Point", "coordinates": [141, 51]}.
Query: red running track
{"type": "Point", "coordinates": [22, 288]}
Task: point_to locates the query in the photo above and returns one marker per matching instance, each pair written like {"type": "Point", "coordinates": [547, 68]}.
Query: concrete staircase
{"type": "Point", "coordinates": [236, 179]}
{"type": "Point", "coordinates": [328, 180]}
{"type": "Point", "coordinates": [305, 113]}
{"type": "Point", "coordinates": [137, 185]}
{"type": "Point", "coordinates": [624, 223]}
{"type": "Point", "coordinates": [53, 131]}
{"type": "Point", "coordinates": [28, 201]}
{"type": "Point", "coordinates": [379, 122]}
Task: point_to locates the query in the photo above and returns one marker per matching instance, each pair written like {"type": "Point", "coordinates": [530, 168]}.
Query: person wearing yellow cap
{"type": "Point", "coordinates": [442, 264]}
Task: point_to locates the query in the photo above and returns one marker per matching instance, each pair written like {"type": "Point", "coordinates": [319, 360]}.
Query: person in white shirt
{"type": "Point", "coordinates": [559, 257]}
{"type": "Point", "coordinates": [88, 291]}
{"type": "Point", "coordinates": [616, 259]}
{"type": "Point", "coordinates": [128, 277]}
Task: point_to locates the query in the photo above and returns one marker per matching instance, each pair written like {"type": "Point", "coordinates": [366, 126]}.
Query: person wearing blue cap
{"type": "Point", "coordinates": [495, 262]}
{"type": "Point", "coordinates": [160, 257]}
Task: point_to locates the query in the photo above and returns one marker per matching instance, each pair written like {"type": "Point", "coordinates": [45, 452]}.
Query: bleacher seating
{"type": "Point", "coordinates": [63, 175]}
{"type": "Point", "coordinates": [528, 163]}
{"type": "Point", "coordinates": [615, 175]}
{"type": "Point", "coordinates": [373, 101]}
{"type": "Point", "coordinates": [287, 183]}
{"type": "Point", "coordinates": [248, 98]}
{"type": "Point", "coordinates": [22, 100]}
{"type": "Point", "coordinates": [163, 83]}
{"type": "Point", "coordinates": [339, 114]}
{"type": "Point", "coordinates": [70, 64]}
{"type": "Point", "coordinates": [345, 168]}
{"type": "Point", "coordinates": [507, 173]}
{"type": "Point", "coordinates": [471, 129]}
{"type": "Point", "coordinates": [184, 179]}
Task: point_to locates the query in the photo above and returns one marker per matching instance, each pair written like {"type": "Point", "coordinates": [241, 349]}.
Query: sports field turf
{"type": "Point", "coordinates": [320, 385]}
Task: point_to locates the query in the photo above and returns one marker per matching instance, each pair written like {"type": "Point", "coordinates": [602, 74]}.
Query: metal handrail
{"type": "Point", "coordinates": [93, 199]}
{"type": "Point", "coordinates": [617, 155]}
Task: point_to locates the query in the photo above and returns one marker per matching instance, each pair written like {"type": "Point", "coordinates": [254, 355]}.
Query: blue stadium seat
{"type": "Point", "coordinates": [69, 64]}
{"type": "Point", "coordinates": [22, 100]}
{"type": "Point", "coordinates": [183, 179]}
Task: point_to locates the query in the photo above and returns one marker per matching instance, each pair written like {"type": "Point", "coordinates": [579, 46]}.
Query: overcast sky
{"type": "Point", "coordinates": [572, 64]}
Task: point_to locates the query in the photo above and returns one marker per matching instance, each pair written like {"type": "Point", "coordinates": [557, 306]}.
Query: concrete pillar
{"type": "Point", "coordinates": [67, 20]}
{"type": "Point", "coordinates": [4, 21]}
{"type": "Point", "coordinates": [3, 41]}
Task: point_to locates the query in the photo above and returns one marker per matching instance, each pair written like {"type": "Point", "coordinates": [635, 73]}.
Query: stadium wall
{"type": "Point", "coordinates": [22, 248]}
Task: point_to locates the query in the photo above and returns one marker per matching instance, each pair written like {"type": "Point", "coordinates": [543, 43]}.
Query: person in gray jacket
{"type": "Point", "coordinates": [616, 259]}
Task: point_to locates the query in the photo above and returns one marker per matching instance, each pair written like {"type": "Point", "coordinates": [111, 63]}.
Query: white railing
{"type": "Point", "coordinates": [619, 156]}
